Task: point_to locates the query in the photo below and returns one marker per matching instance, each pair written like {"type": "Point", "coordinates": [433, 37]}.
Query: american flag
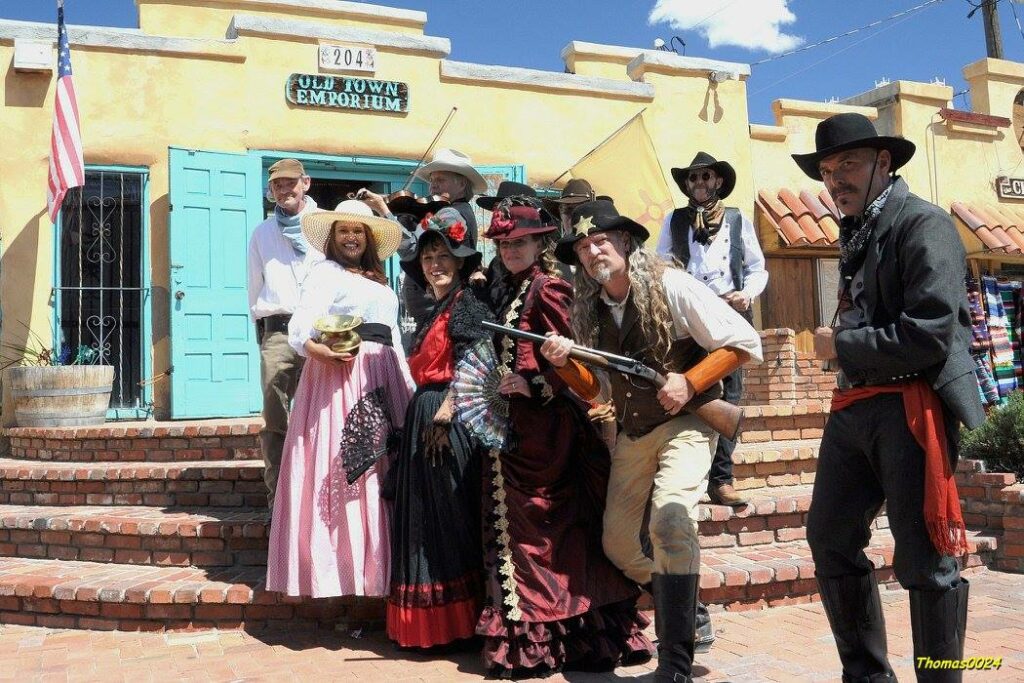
{"type": "Point", "coordinates": [67, 169]}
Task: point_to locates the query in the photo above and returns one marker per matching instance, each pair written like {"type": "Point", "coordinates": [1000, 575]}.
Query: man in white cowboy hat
{"type": "Point", "coordinates": [451, 172]}
{"type": "Point", "coordinates": [729, 261]}
{"type": "Point", "coordinates": [279, 260]}
{"type": "Point", "coordinates": [906, 384]}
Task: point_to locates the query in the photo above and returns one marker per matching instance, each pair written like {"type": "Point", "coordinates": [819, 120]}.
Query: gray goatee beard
{"type": "Point", "coordinates": [602, 274]}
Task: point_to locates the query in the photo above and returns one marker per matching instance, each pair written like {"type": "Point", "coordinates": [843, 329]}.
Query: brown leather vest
{"type": "Point", "coordinates": [636, 400]}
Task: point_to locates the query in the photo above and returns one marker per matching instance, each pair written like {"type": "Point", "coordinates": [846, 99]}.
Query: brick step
{"type": "Point", "coordinates": [179, 537]}
{"type": "Point", "coordinates": [89, 595]}
{"type": "Point", "coordinates": [228, 537]}
{"type": "Point", "coordinates": [775, 463]}
{"type": "Point", "coordinates": [140, 441]}
{"type": "Point", "coordinates": [783, 574]}
{"type": "Point", "coordinates": [765, 423]}
{"type": "Point", "coordinates": [773, 516]}
{"type": "Point", "coordinates": [226, 483]}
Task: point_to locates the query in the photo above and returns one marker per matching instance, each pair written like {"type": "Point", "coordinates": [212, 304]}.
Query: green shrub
{"type": "Point", "coordinates": [999, 442]}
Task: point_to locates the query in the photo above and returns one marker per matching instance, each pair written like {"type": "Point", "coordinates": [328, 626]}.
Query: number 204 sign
{"type": "Point", "coordinates": [347, 58]}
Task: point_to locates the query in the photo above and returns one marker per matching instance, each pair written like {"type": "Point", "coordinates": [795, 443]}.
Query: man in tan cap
{"type": "Point", "coordinates": [279, 259]}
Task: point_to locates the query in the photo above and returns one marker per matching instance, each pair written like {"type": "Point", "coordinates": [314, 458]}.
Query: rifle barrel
{"type": "Point", "coordinates": [522, 334]}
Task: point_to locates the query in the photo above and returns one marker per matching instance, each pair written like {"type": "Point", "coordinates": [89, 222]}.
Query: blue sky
{"type": "Point", "coordinates": [934, 42]}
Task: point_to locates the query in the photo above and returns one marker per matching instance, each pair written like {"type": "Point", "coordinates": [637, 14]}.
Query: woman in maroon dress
{"type": "Point", "coordinates": [553, 600]}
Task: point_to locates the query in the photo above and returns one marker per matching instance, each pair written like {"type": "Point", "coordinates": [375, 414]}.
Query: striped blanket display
{"type": "Point", "coordinates": [1009, 291]}
{"type": "Point", "coordinates": [981, 345]}
{"type": "Point", "coordinates": [1002, 349]}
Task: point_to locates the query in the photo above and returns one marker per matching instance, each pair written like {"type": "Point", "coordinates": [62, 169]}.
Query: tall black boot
{"type": "Point", "coordinates": [854, 611]}
{"type": "Point", "coordinates": [675, 616]}
{"type": "Point", "coordinates": [705, 631]}
{"type": "Point", "coordinates": [938, 620]}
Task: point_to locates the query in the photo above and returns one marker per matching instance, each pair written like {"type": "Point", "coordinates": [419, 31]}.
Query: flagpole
{"type": "Point", "coordinates": [600, 144]}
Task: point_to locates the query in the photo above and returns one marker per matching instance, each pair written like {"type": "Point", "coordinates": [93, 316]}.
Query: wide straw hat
{"type": "Point", "coordinates": [317, 226]}
{"type": "Point", "coordinates": [453, 161]}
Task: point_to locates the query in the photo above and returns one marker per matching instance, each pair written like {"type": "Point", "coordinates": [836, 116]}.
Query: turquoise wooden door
{"type": "Point", "coordinates": [215, 203]}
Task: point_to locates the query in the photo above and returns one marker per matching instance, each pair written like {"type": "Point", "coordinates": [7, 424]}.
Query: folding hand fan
{"type": "Point", "coordinates": [478, 405]}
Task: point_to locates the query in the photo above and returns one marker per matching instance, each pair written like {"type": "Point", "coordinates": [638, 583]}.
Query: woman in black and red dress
{"type": "Point", "coordinates": [553, 600]}
{"type": "Point", "coordinates": [436, 556]}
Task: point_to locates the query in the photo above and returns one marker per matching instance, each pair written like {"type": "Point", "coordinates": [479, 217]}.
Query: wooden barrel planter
{"type": "Point", "coordinates": [60, 395]}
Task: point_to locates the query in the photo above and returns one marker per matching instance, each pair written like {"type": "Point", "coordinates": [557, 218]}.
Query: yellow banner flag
{"type": "Point", "coordinates": [626, 168]}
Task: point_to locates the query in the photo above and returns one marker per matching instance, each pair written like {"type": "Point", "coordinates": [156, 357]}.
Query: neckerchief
{"type": "Point", "coordinates": [291, 226]}
{"type": "Point", "coordinates": [706, 219]}
{"type": "Point", "coordinates": [855, 232]}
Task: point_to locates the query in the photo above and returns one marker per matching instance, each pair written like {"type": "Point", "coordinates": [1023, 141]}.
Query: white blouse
{"type": "Point", "coordinates": [329, 289]}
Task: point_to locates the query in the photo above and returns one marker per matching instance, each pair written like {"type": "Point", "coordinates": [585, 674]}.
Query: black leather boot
{"type": "Point", "coordinates": [938, 621]}
{"type": "Point", "coordinates": [705, 631]}
{"type": "Point", "coordinates": [854, 611]}
{"type": "Point", "coordinates": [675, 616]}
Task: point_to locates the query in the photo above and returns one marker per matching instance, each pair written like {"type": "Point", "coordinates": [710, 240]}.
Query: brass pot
{"type": "Point", "coordinates": [338, 332]}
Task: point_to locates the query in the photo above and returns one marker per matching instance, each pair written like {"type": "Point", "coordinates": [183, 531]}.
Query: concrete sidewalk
{"type": "Point", "coordinates": [782, 644]}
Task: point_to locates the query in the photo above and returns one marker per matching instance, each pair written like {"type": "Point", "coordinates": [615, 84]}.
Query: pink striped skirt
{"type": "Point", "coordinates": [327, 537]}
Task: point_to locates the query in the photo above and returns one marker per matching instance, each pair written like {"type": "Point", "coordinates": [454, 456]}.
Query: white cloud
{"type": "Point", "coordinates": [747, 24]}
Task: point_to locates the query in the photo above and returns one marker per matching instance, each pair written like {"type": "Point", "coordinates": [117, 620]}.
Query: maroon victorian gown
{"type": "Point", "coordinates": [553, 600]}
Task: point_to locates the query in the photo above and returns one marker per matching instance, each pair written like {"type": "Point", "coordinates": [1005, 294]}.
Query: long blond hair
{"type": "Point", "coordinates": [644, 270]}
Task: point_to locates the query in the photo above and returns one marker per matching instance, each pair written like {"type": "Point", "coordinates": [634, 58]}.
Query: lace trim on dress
{"type": "Point", "coordinates": [506, 566]}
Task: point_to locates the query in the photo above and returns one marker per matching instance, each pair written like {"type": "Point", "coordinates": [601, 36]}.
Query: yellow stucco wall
{"type": "Point", "coordinates": [134, 105]}
{"type": "Point", "coordinates": [210, 18]}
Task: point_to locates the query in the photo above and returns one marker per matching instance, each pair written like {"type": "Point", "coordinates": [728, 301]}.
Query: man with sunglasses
{"type": "Point", "coordinates": [729, 261]}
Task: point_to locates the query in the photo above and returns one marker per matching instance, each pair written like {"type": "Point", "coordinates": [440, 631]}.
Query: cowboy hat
{"type": "Point", "coordinates": [591, 218]}
{"type": "Point", "coordinates": [449, 224]}
{"type": "Point", "coordinates": [453, 161]}
{"type": "Point", "coordinates": [514, 220]}
{"type": "Point", "coordinates": [703, 160]}
{"type": "Point", "coordinates": [507, 188]}
{"type": "Point", "coordinates": [576, 191]}
{"type": "Point", "coordinates": [850, 131]}
{"type": "Point", "coordinates": [317, 226]}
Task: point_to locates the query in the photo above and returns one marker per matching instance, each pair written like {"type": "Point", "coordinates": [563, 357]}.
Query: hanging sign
{"type": "Point", "coordinates": [343, 92]}
{"type": "Point", "coordinates": [1010, 188]}
{"type": "Point", "coordinates": [347, 58]}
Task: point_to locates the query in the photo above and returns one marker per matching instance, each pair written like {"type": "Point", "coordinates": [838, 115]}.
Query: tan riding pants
{"type": "Point", "coordinates": [675, 457]}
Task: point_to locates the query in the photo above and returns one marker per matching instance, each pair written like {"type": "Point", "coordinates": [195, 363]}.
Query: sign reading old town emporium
{"type": "Point", "coordinates": [343, 92]}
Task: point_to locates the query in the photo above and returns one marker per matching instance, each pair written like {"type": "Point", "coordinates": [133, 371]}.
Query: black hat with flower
{"type": "Point", "coordinates": [450, 229]}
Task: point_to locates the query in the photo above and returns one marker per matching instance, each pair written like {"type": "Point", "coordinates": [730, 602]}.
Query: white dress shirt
{"type": "Point", "coordinates": [331, 290]}
{"type": "Point", "coordinates": [710, 264]}
{"type": "Point", "coordinates": [698, 313]}
{"type": "Point", "coordinates": [276, 270]}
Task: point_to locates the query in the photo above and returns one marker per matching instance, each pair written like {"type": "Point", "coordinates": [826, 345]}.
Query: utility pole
{"type": "Point", "coordinates": [993, 38]}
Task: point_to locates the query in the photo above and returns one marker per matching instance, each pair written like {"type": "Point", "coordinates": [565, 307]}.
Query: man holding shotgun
{"type": "Point", "coordinates": [632, 303]}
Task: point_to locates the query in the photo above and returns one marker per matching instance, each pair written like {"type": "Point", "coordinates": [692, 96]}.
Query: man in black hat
{"type": "Point", "coordinates": [905, 385]}
{"type": "Point", "coordinates": [630, 302]}
{"type": "Point", "coordinates": [575, 192]}
{"type": "Point", "coordinates": [718, 246]}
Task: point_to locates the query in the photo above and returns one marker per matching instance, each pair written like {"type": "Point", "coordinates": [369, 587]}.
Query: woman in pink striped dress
{"type": "Point", "coordinates": [329, 531]}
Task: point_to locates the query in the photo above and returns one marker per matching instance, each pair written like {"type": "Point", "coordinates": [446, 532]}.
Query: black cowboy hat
{"type": "Point", "coordinates": [445, 225]}
{"type": "Point", "coordinates": [593, 217]}
{"type": "Point", "coordinates": [850, 131]}
{"type": "Point", "coordinates": [704, 160]}
{"type": "Point", "coordinates": [507, 188]}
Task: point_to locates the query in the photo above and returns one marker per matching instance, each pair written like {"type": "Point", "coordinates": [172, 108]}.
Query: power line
{"type": "Point", "coordinates": [837, 52]}
{"type": "Point", "coordinates": [1017, 19]}
{"type": "Point", "coordinates": [834, 38]}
